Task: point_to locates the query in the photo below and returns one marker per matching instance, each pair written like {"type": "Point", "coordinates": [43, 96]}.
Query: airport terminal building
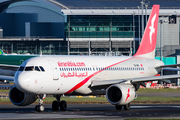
{"type": "Point", "coordinates": [85, 27]}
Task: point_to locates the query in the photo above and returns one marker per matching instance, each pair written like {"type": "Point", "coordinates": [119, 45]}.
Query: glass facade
{"type": "Point", "coordinates": [102, 26]}
{"type": "Point", "coordinates": [35, 47]}
{"type": "Point", "coordinates": [179, 31]}
{"type": "Point", "coordinates": [32, 20]}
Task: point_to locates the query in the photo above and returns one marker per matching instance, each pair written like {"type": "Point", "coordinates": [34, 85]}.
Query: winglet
{"type": "Point", "coordinates": [148, 43]}
{"type": "Point", "coordinates": [1, 52]}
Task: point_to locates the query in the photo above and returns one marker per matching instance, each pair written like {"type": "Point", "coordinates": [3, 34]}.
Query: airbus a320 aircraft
{"type": "Point", "coordinates": [116, 77]}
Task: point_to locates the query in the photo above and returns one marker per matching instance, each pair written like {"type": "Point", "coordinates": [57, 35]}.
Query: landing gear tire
{"type": "Point", "coordinates": [118, 107]}
{"type": "Point", "coordinates": [127, 106]}
{"type": "Point", "coordinates": [39, 108]}
{"type": "Point", "coordinates": [63, 105]}
{"type": "Point", "coordinates": [55, 105]}
{"type": "Point", "coordinates": [36, 108]}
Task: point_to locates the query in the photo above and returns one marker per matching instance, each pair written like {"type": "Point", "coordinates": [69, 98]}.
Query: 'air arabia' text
{"type": "Point", "coordinates": [70, 64]}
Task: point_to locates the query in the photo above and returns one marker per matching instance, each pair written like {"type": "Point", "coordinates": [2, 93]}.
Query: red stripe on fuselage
{"type": "Point", "coordinates": [86, 79]}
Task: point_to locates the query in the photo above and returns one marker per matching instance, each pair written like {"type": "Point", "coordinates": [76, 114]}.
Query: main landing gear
{"type": "Point", "coordinates": [126, 107]}
{"type": "Point", "coordinates": [40, 107]}
{"type": "Point", "coordinates": [59, 104]}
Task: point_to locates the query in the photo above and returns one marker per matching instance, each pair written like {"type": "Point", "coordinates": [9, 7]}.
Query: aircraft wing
{"type": "Point", "coordinates": [9, 67]}
{"type": "Point", "coordinates": [9, 71]}
{"type": "Point", "coordinates": [164, 78]}
{"type": "Point", "coordinates": [3, 77]}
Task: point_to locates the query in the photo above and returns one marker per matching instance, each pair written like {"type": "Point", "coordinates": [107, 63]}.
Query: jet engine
{"type": "Point", "coordinates": [120, 94]}
{"type": "Point", "coordinates": [21, 99]}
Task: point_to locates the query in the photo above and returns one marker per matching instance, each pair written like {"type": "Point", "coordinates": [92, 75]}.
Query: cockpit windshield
{"type": "Point", "coordinates": [32, 68]}
{"type": "Point", "coordinates": [21, 68]}
{"type": "Point", "coordinates": [37, 68]}
{"type": "Point", "coordinates": [42, 69]}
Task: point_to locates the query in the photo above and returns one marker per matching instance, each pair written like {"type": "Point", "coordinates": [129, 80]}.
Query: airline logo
{"type": "Point", "coordinates": [72, 69]}
{"type": "Point", "coordinates": [74, 74]}
{"type": "Point", "coordinates": [70, 64]}
{"type": "Point", "coordinates": [152, 28]}
{"type": "Point", "coordinates": [138, 65]}
{"type": "Point", "coordinates": [148, 42]}
{"type": "Point", "coordinates": [1, 52]}
{"type": "Point", "coordinates": [128, 95]}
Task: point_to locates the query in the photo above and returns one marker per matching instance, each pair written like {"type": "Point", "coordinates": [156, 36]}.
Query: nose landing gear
{"type": "Point", "coordinates": [55, 105]}
{"type": "Point", "coordinates": [40, 107]}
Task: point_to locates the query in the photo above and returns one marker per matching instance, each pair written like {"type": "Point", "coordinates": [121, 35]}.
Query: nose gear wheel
{"type": "Point", "coordinates": [40, 107]}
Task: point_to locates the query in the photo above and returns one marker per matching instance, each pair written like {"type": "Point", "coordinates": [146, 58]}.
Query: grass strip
{"type": "Point", "coordinates": [103, 100]}
{"type": "Point", "coordinates": [141, 90]}
{"type": "Point", "coordinates": [151, 90]}
{"type": "Point", "coordinates": [148, 119]}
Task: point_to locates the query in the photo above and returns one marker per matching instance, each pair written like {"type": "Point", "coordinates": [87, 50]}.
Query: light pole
{"type": "Point", "coordinates": [161, 42]}
{"type": "Point", "coordinates": [142, 7]}
{"type": "Point", "coordinates": [146, 5]}
{"type": "Point", "coordinates": [139, 23]}
{"type": "Point", "coordinates": [134, 33]}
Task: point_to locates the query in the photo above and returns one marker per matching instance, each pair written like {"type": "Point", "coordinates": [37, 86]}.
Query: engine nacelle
{"type": "Point", "coordinates": [120, 94]}
{"type": "Point", "coordinates": [21, 99]}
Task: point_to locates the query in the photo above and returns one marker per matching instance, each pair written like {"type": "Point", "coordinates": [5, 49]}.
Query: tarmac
{"type": "Point", "coordinates": [91, 111]}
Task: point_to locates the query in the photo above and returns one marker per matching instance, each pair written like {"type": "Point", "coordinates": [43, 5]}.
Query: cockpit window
{"type": "Point", "coordinates": [37, 68]}
{"type": "Point", "coordinates": [42, 69]}
{"type": "Point", "coordinates": [31, 68]}
{"type": "Point", "coordinates": [21, 68]}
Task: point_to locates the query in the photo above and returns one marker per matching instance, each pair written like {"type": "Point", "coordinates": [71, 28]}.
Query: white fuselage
{"type": "Point", "coordinates": [67, 74]}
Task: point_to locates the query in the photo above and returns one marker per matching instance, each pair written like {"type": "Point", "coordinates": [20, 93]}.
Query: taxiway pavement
{"type": "Point", "coordinates": [92, 111]}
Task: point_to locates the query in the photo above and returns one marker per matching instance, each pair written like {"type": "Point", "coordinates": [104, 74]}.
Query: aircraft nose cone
{"type": "Point", "coordinates": [21, 82]}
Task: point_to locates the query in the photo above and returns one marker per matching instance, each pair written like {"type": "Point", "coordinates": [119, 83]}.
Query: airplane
{"type": "Point", "coordinates": [14, 59]}
{"type": "Point", "coordinates": [117, 77]}
{"type": "Point", "coordinates": [9, 64]}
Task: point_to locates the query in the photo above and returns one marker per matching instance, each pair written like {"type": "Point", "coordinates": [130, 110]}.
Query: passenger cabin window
{"type": "Point", "coordinates": [21, 69]}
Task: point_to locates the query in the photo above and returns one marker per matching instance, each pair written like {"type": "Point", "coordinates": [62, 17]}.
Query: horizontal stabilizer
{"type": "Point", "coordinates": [164, 66]}
{"type": "Point", "coordinates": [171, 69]}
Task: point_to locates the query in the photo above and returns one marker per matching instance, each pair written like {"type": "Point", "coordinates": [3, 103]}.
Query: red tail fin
{"type": "Point", "coordinates": [148, 43]}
